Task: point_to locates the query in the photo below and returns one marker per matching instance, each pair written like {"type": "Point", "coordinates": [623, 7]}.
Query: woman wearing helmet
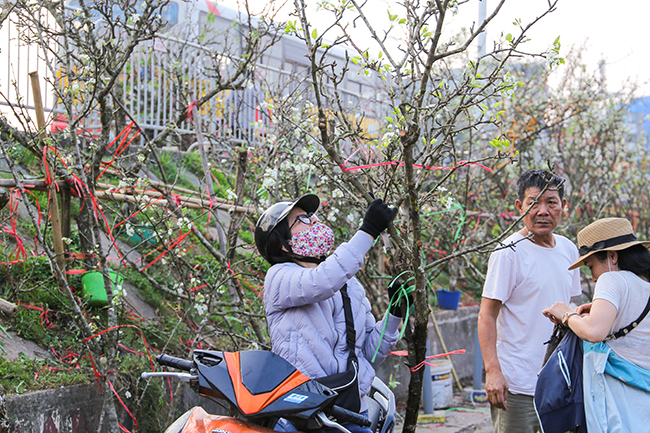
{"type": "Point", "coordinates": [305, 288]}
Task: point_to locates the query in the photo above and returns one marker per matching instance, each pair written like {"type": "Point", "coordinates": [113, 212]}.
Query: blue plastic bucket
{"type": "Point", "coordinates": [448, 300]}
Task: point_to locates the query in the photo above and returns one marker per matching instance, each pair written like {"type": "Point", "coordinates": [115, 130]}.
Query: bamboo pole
{"type": "Point", "coordinates": [204, 202]}
{"type": "Point", "coordinates": [444, 349]}
{"type": "Point", "coordinates": [7, 307]}
{"type": "Point", "coordinates": [54, 210]}
{"type": "Point", "coordinates": [36, 185]}
{"type": "Point", "coordinates": [170, 187]}
{"type": "Point", "coordinates": [39, 185]}
{"type": "Point", "coordinates": [150, 198]}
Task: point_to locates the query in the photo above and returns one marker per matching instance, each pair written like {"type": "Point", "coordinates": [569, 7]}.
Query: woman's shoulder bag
{"type": "Point", "coordinates": [559, 392]}
{"type": "Point", "coordinates": [346, 384]}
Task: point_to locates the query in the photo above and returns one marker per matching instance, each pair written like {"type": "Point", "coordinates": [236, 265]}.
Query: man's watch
{"type": "Point", "coordinates": [566, 316]}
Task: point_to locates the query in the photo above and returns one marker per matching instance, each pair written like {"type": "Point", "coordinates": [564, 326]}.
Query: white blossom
{"type": "Point", "coordinates": [270, 178]}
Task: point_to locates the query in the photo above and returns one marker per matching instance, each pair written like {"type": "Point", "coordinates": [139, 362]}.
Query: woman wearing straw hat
{"type": "Point", "coordinates": [612, 326]}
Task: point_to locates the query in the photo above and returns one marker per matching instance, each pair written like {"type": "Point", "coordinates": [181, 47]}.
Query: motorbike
{"type": "Point", "coordinates": [259, 388]}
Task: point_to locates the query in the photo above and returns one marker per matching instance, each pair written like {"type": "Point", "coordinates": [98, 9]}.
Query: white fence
{"type": "Point", "coordinates": [156, 81]}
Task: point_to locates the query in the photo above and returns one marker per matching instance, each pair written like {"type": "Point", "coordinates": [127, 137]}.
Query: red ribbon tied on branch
{"type": "Point", "coordinates": [189, 109]}
{"type": "Point", "coordinates": [401, 164]}
{"type": "Point", "coordinates": [423, 363]}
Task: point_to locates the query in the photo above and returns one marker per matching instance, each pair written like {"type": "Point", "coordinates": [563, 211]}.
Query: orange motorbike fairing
{"type": "Point", "coordinates": [202, 422]}
{"type": "Point", "coordinates": [253, 403]}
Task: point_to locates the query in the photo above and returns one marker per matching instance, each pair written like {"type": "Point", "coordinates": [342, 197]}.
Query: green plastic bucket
{"type": "Point", "coordinates": [143, 234]}
{"type": "Point", "coordinates": [93, 287]}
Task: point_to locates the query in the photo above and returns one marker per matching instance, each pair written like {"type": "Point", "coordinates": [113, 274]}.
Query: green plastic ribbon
{"type": "Point", "coordinates": [402, 292]}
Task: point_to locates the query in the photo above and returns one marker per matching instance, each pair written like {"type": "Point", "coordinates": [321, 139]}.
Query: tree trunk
{"type": "Point", "coordinates": [418, 343]}
{"type": "Point", "coordinates": [233, 235]}
{"type": "Point", "coordinates": [109, 422]}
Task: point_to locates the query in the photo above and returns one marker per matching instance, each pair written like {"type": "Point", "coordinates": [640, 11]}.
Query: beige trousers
{"type": "Point", "coordinates": [519, 418]}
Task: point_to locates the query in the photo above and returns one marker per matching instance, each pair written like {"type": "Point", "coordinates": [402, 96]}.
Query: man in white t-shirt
{"type": "Point", "coordinates": [522, 279]}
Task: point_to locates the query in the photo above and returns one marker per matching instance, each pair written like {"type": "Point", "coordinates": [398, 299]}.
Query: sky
{"type": "Point", "coordinates": [609, 31]}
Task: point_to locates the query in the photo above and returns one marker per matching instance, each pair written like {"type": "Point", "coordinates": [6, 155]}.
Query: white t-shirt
{"type": "Point", "coordinates": [526, 278]}
{"type": "Point", "coordinates": [629, 294]}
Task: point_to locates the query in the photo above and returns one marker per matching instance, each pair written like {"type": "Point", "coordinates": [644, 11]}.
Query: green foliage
{"type": "Point", "coordinates": [33, 269]}
{"type": "Point", "coordinates": [25, 374]}
{"type": "Point", "coordinates": [553, 54]}
{"type": "Point", "coordinates": [221, 183]}
{"type": "Point", "coordinates": [24, 158]}
{"type": "Point", "coordinates": [291, 27]}
{"type": "Point", "coordinates": [170, 162]}
{"type": "Point", "coordinates": [500, 143]}
{"type": "Point", "coordinates": [392, 382]}
{"type": "Point", "coordinates": [150, 399]}
{"type": "Point", "coordinates": [44, 308]}
{"type": "Point", "coordinates": [246, 236]}
{"type": "Point", "coordinates": [192, 161]}
{"type": "Point", "coordinates": [145, 289]}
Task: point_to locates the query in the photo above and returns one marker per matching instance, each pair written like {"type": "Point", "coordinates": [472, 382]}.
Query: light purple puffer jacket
{"type": "Point", "coordinates": [304, 310]}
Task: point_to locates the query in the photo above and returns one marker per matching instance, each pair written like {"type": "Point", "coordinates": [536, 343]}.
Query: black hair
{"type": "Point", "coordinates": [635, 259]}
{"type": "Point", "coordinates": [538, 178]}
{"type": "Point", "coordinates": [278, 238]}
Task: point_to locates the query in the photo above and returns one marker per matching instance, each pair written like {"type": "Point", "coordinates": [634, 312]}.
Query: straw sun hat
{"type": "Point", "coordinates": [607, 234]}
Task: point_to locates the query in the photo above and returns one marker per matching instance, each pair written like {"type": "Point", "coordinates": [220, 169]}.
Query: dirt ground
{"type": "Point", "coordinates": [464, 417]}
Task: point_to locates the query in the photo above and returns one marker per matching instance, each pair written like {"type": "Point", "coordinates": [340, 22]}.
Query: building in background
{"type": "Point", "coordinates": [639, 120]}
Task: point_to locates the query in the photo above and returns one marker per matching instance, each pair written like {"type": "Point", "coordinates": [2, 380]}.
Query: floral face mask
{"type": "Point", "coordinates": [316, 241]}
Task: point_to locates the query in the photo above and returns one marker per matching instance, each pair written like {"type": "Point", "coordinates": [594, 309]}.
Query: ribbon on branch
{"type": "Point", "coordinates": [401, 164]}
{"type": "Point", "coordinates": [423, 363]}
{"type": "Point", "coordinates": [189, 109]}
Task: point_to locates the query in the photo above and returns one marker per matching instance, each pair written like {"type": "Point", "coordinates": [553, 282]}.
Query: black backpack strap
{"type": "Point", "coordinates": [351, 334]}
{"type": "Point", "coordinates": [624, 331]}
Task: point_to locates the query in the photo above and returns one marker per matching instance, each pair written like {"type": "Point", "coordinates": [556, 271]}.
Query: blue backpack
{"type": "Point", "coordinates": [558, 394]}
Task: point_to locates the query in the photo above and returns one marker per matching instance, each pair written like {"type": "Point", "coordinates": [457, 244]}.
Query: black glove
{"type": "Point", "coordinates": [395, 307]}
{"type": "Point", "coordinates": [378, 216]}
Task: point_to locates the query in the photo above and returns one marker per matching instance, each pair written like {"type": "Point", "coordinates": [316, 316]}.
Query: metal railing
{"type": "Point", "coordinates": [155, 83]}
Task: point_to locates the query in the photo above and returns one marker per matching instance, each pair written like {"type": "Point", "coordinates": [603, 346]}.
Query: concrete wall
{"type": "Point", "coordinates": [457, 328]}
{"type": "Point", "coordinates": [76, 409]}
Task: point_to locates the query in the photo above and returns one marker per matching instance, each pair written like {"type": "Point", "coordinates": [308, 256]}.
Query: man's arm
{"type": "Point", "coordinates": [496, 386]}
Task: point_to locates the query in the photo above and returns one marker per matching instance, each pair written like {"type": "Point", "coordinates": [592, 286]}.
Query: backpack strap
{"type": "Point", "coordinates": [624, 331]}
{"type": "Point", "coordinates": [351, 334]}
